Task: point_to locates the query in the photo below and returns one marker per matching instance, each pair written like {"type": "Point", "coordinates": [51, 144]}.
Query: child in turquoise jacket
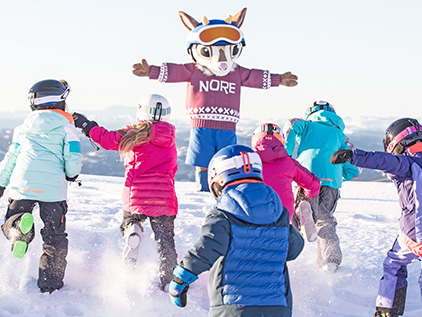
{"type": "Point", "coordinates": [44, 155]}
{"type": "Point", "coordinates": [319, 135]}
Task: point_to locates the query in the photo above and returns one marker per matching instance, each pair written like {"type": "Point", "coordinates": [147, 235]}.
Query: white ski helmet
{"type": "Point", "coordinates": [153, 108]}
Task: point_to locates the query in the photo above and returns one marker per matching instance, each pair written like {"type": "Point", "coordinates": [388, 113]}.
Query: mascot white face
{"type": "Point", "coordinates": [215, 44]}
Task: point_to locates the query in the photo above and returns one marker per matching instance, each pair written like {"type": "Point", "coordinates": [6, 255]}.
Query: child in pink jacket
{"type": "Point", "coordinates": [279, 170]}
{"type": "Point", "coordinates": [150, 159]}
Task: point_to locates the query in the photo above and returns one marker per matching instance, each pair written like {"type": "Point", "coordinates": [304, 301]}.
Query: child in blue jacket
{"type": "Point", "coordinates": [403, 164]}
{"type": "Point", "coordinates": [44, 155]}
{"type": "Point", "coordinates": [319, 135]}
{"type": "Point", "coordinates": [245, 241]}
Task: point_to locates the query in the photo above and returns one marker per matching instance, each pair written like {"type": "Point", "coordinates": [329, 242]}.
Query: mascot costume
{"type": "Point", "coordinates": [214, 81]}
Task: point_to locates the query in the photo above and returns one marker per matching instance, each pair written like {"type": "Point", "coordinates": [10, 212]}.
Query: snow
{"type": "Point", "coordinates": [97, 283]}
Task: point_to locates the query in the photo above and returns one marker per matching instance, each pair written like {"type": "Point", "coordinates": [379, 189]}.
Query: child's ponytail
{"type": "Point", "coordinates": [140, 133]}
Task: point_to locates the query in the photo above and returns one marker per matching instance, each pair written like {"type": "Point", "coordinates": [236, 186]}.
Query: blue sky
{"type": "Point", "coordinates": [362, 56]}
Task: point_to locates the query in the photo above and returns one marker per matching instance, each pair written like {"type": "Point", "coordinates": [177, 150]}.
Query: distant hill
{"type": "Point", "coordinates": [364, 132]}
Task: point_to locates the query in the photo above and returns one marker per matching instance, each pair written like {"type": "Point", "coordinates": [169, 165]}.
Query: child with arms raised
{"type": "Point", "coordinates": [150, 159]}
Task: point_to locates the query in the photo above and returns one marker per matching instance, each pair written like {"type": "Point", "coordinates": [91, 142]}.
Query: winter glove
{"type": "Point", "coordinates": [179, 285]}
{"type": "Point", "coordinates": [141, 69]}
{"type": "Point", "coordinates": [71, 179]}
{"type": "Point", "coordinates": [341, 156]}
{"type": "Point", "coordinates": [288, 79]}
{"type": "Point", "coordinates": [82, 122]}
{"type": "Point", "coordinates": [2, 191]}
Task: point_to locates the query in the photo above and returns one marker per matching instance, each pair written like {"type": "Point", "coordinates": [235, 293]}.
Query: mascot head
{"type": "Point", "coordinates": [215, 44]}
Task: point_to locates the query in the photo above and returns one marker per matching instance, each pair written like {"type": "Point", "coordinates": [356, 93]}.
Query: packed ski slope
{"type": "Point", "coordinates": [98, 284]}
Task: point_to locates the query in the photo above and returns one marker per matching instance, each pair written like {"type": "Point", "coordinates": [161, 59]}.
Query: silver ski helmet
{"type": "Point", "coordinates": [49, 94]}
{"type": "Point", "coordinates": [153, 108]}
{"type": "Point", "coordinates": [402, 134]}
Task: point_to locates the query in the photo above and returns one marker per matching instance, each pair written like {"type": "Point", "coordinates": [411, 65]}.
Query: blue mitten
{"type": "Point", "coordinates": [179, 285]}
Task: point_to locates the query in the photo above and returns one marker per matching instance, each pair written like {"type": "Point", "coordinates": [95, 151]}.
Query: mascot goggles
{"type": "Point", "coordinates": [215, 34]}
{"type": "Point", "coordinates": [319, 105]}
{"type": "Point", "coordinates": [267, 129]}
{"type": "Point", "coordinates": [406, 132]}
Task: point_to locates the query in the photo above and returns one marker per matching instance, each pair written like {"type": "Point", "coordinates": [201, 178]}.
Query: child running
{"type": "Point", "coordinates": [246, 241]}
{"type": "Point", "coordinates": [319, 135]}
{"type": "Point", "coordinates": [402, 162]}
{"type": "Point", "coordinates": [44, 155]}
{"type": "Point", "coordinates": [150, 158]}
{"type": "Point", "coordinates": [279, 170]}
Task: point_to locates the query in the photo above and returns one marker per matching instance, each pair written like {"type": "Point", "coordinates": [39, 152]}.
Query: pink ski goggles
{"type": "Point", "coordinates": [406, 132]}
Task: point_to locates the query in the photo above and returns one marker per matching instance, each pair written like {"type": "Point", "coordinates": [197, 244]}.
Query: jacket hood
{"type": "Point", "coordinates": [43, 121]}
{"type": "Point", "coordinates": [254, 203]}
{"type": "Point", "coordinates": [163, 134]}
{"type": "Point", "coordinates": [270, 149]}
{"type": "Point", "coordinates": [327, 117]}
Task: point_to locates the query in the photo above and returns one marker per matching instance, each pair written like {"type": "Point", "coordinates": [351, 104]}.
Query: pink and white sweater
{"type": "Point", "coordinates": [212, 101]}
{"type": "Point", "coordinates": [149, 170]}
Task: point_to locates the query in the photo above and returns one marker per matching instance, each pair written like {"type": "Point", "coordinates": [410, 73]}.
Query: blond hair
{"type": "Point", "coordinates": [138, 134]}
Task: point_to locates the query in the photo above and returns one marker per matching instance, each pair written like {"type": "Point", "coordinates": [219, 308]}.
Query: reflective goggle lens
{"type": "Point", "coordinates": [211, 35]}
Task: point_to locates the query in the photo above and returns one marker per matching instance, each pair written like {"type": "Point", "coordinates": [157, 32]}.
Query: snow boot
{"type": "Point", "coordinates": [384, 312]}
{"type": "Point", "coordinates": [131, 241]}
{"type": "Point", "coordinates": [24, 227]}
{"type": "Point", "coordinates": [307, 224]}
{"type": "Point", "coordinates": [399, 302]}
{"type": "Point", "coordinates": [201, 179]}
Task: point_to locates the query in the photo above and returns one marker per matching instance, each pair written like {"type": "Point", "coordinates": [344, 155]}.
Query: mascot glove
{"type": "Point", "coordinates": [341, 156]}
{"type": "Point", "coordinates": [180, 284]}
{"type": "Point", "coordinates": [82, 122]}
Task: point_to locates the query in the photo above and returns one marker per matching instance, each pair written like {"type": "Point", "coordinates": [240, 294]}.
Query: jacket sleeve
{"type": "Point", "coordinates": [296, 243]}
{"type": "Point", "coordinates": [257, 78]}
{"type": "Point", "coordinates": [399, 165]}
{"type": "Point", "coordinates": [9, 161]}
{"type": "Point", "coordinates": [72, 151]}
{"type": "Point", "coordinates": [349, 171]}
{"type": "Point", "coordinates": [307, 180]}
{"type": "Point", "coordinates": [109, 140]}
{"type": "Point", "coordinates": [297, 128]}
{"type": "Point", "coordinates": [213, 243]}
{"type": "Point", "coordinates": [172, 73]}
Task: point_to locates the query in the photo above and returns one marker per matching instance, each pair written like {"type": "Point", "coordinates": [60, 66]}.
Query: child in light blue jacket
{"type": "Point", "coordinates": [44, 155]}
{"type": "Point", "coordinates": [319, 135]}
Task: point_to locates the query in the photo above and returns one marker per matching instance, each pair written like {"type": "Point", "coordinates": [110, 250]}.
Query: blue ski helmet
{"type": "Point", "coordinates": [234, 162]}
{"type": "Point", "coordinates": [49, 94]}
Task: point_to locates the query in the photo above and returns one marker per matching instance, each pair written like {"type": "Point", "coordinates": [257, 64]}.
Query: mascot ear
{"type": "Point", "coordinates": [239, 17]}
{"type": "Point", "coordinates": [189, 22]}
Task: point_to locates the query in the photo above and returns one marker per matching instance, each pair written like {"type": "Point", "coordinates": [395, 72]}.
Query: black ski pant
{"type": "Point", "coordinates": [163, 228]}
{"type": "Point", "coordinates": [53, 260]}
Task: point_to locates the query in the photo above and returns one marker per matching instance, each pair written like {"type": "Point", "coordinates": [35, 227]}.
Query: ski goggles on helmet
{"type": "Point", "coordinates": [406, 132]}
{"type": "Point", "coordinates": [267, 129]}
{"type": "Point", "coordinates": [217, 33]}
{"type": "Point", "coordinates": [319, 105]}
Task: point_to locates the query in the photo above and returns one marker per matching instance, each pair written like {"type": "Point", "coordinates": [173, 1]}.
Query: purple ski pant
{"type": "Point", "coordinates": [394, 274]}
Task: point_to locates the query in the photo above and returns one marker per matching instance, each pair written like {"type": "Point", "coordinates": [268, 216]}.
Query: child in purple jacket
{"type": "Point", "coordinates": [213, 81]}
{"type": "Point", "coordinates": [403, 164]}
